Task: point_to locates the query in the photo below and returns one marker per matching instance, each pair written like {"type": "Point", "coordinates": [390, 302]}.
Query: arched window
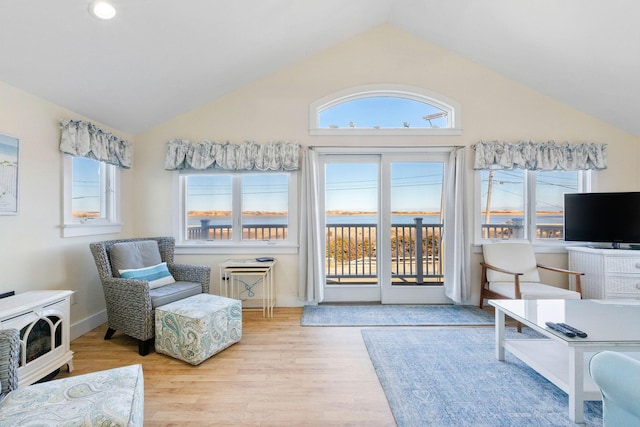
{"type": "Point", "coordinates": [384, 109]}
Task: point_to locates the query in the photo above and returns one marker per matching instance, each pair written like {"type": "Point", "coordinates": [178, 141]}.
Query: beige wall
{"type": "Point", "coordinates": [34, 256]}
{"type": "Point", "coordinates": [276, 108]}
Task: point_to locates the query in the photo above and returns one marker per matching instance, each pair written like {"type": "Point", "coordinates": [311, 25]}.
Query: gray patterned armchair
{"type": "Point", "coordinates": [9, 360]}
{"type": "Point", "coordinates": [137, 277]}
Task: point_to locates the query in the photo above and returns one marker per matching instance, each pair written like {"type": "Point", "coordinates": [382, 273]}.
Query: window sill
{"type": "Point", "coordinates": [557, 247]}
{"type": "Point", "coordinates": [77, 230]}
{"type": "Point", "coordinates": [261, 248]}
{"type": "Point", "coordinates": [385, 132]}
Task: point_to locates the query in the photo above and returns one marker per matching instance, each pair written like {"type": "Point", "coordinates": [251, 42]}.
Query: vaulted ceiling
{"type": "Point", "coordinates": [161, 58]}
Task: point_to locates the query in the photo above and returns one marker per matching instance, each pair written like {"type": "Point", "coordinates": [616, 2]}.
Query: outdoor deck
{"type": "Point", "coordinates": [351, 248]}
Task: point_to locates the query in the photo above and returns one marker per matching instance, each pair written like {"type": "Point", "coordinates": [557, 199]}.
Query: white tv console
{"type": "Point", "coordinates": [42, 317]}
{"type": "Point", "coordinates": [609, 273]}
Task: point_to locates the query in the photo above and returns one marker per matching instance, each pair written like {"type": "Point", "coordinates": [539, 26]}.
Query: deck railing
{"type": "Point", "coordinates": [516, 231]}
{"type": "Point", "coordinates": [351, 252]}
{"type": "Point", "coordinates": [207, 231]}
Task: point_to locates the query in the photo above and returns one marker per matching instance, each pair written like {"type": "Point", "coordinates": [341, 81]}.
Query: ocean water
{"type": "Point", "coordinates": [366, 219]}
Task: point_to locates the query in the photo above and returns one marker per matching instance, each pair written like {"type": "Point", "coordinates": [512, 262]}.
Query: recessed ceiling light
{"type": "Point", "coordinates": [102, 10]}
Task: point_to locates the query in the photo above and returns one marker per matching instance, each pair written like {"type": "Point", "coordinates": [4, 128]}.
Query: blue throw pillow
{"type": "Point", "coordinates": [156, 275]}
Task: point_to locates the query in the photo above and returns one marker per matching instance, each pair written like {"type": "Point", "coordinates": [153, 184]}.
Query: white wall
{"type": "Point", "coordinates": [33, 255]}
{"type": "Point", "coordinates": [276, 108]}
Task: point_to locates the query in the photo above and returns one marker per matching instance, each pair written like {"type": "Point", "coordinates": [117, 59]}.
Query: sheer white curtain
{"type": "Point", "coordinates": [311, 276]}
{"type": "Point", "coordinates": [456, 269]}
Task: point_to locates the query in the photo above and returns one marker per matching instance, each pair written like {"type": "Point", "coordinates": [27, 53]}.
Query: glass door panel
{"type": "Point", "coordinates": [351, 199]}
{"type": "Point", "coordinates": [412, 238]}
{"type": "Point", "coordinates": [416, 222]}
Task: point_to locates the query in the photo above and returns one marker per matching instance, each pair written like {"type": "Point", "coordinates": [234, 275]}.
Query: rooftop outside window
{"type": "Point", "coordinates": [384, 110]}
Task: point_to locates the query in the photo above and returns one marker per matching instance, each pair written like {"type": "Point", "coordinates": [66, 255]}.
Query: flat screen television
{"type": "Point", "coordinates": [602, 218]}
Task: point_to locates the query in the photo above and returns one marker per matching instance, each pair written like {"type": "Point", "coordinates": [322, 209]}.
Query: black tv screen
{"type": "Point", "coordinates": [602, 217]}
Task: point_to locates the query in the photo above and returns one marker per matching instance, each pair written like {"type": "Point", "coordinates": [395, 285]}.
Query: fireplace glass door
{"type": "Point", "coordinates": [40, 338]}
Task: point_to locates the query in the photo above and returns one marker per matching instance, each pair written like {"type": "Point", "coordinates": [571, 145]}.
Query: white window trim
{"type": "Point", "coordinates": [267, 247]}
{"type": "Point", "coordinates": [586, 180]}
{"type": "Point", "coordinates": [454, 116]}
{"type": "Point", "coordinates": [72, 227]}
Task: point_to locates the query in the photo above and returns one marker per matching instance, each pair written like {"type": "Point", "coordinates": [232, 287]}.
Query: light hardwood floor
{"type": "Point", "coordinates": [279, 374]}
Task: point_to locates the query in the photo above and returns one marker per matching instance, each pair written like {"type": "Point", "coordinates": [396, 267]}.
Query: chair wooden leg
{"type": "Point", "coordinates": [519, 327]}
{"type": "Point", "coordinates": [144, 346]}
{"type": "Point", "coordinates": [109, 333]}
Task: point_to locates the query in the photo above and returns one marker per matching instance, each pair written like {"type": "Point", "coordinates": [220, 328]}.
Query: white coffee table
{"type": "Point", "coordinates": [610, 325]}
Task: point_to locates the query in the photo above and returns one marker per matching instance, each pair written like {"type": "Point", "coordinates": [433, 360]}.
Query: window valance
{"type": "Point", "coordinates": [544, 156]}
{"type": "Point", "coordinates": [84, 139]}
{"type": "Point", "coordinates": [183, 154]}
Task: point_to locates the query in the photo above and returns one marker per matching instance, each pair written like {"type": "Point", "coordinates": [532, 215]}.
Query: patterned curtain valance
{"type": "Point", "coordinates": [84, 139]}
{"type": "Point", "coordinates": [546, 156]}
{"type": "Point", "coordinates": [182, 154]}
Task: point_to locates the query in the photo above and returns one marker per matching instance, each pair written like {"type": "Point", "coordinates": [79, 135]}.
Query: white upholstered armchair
{"type": "Point", "coordinates": [510, 271]}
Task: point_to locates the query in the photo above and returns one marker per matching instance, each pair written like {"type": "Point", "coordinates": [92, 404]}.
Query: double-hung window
{"type": "Point", "coordinates": [91, 161]}
{"type": "Point", "coordinates": [524, 204]}
{"type": "Point", "coordinates": [222, 208]}
{"type": "Point", "coordinates": [234, 198]}
{"type": "Point", "coordinates": [91, 196]}
{"type": "Point", "coordinates": [520, 187]}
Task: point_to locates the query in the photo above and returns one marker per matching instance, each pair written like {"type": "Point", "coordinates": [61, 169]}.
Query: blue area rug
{"type": "Point", "coordinates": [451, 377]}
{"type": "Point", "coordinates": [394, 315]}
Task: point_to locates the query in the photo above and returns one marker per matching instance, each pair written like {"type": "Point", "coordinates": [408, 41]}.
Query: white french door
{"type": "Point", "coordinates": [412, 265]}
{"type": "Point", "coordinates": [383, 223]}
{"type": "Point", "coordinates": [352, 217]}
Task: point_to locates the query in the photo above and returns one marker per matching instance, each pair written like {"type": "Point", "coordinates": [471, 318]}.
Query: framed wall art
{"type": "Point", "coordinates": [9, 163]}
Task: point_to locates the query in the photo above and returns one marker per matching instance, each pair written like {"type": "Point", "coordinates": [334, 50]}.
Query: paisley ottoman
{"type": "Point", "coordinates": [196, 328]}
{"type": "Point", "coordinates": [114, 398]}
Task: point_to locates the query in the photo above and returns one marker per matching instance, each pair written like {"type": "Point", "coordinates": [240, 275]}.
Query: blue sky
{"type": "Point", "coordinates": [507, 189]}
{"type": "Point", "coordinates": [86, 185]}
{"type": "Point", "coordinates": [261, 192]}
{"type": "Point", "coordinates": [353, 186]}
{"type": "Point", "coordinates": [416, 186]}
{"type": "Point", "coordinates": [386, 112]}
{"type": "Point", "coordinates": [8, 148]}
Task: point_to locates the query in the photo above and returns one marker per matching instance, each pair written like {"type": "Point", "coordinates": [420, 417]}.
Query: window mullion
{"type": "Point", "coordinates": [104, 190]}
{"type": "Point", "coordinates": [236, 202]}
{"type": "Point", "coordinates": [530, 205]}
{"type": "Point", "coordinates": [584, 181]}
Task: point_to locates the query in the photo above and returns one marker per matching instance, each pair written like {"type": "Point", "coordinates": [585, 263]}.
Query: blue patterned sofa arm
{"type": "Point", "coordinates": [114, 397]}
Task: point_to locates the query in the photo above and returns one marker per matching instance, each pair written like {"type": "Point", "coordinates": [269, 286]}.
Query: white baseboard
{"type": "Point", "coordinates": [289, 302]}
{"type": "Point", "coordinates": [255, 303]}
{"type": "Point", "coordinates": [88, 324]}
